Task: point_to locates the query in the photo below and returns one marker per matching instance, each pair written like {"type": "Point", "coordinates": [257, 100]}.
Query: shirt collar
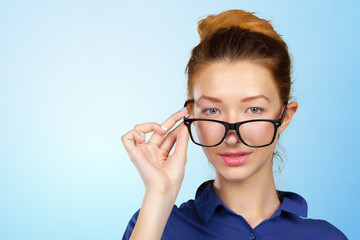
{"type": "Point", "coordinates": [293, 203]}
{"type": "Point", "coordinates": [206, 202]}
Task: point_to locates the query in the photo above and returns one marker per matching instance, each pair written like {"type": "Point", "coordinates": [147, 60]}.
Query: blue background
{"type": "Point", "coordinates": [77, 75]}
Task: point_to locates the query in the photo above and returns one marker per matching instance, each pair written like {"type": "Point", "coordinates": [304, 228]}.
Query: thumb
{"type": "Point", "coordinates": [179, 156]}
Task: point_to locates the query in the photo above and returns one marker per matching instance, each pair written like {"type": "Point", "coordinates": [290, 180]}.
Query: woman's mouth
{"type": "Point", "coordinates": [235, 158]}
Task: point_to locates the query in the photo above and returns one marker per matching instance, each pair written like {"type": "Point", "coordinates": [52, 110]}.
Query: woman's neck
{"type": "Point", "coordinates": [255, 198]}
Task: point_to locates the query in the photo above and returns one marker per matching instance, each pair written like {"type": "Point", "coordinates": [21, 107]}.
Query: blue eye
{"type": "Point", "coordinates": [210, 111]}
{"type": "Point", "coordinates": [254, 110]}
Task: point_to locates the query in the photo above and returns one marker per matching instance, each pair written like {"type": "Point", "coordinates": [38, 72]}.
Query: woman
{"type": "Point", "coordinates": [239, 82]}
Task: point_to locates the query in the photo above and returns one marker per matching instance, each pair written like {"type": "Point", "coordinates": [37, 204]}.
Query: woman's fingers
{"type": "Point", "coordinates": [178, 159]}
{"type": "Point", "coordinates": [137, 135]}
{"type": "Point", "coordinates": [156, 138]}
{"type": "Point", "coordinates": [150, 127]}
{"type": "Point", "coordinates": [128, 141]}
{"type": "Point", "coordinates": [179, 136]}
{"type": "Point", "coordinates": [170, 140]}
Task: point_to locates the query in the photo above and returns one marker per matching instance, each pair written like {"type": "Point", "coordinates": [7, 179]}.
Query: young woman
{"type": "Point", "coordinates": [238, 104]}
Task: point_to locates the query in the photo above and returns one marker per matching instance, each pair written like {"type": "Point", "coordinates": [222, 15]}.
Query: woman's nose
{"type": "Point", "coordinates": [232, 138]}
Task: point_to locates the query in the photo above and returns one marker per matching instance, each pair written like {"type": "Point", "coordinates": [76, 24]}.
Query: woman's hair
{"type": "Point", "coordinates": [238, 35]}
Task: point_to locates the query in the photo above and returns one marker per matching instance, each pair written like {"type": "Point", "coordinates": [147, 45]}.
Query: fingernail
{"type": "Point", "coordinates": [164, 128]}
{"type": "Point", "coordinates": [182, 109]}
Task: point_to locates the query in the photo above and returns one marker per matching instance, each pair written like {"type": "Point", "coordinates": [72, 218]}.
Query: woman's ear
{"type": "Point", "coordinates": [291, 108]}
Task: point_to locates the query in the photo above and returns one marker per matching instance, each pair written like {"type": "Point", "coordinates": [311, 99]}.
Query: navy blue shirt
{"type": "Point", "coordinates": [207, 217]}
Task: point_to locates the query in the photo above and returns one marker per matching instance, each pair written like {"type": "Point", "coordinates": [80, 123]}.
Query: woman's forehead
{"type": "Point", "coordinates": [235, 80]}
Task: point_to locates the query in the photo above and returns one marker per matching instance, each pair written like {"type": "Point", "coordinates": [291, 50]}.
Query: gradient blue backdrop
{"type": "Point", "coordinates": [76, 75]}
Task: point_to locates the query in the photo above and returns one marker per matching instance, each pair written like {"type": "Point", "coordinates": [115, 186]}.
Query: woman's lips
{"type": "Point", "coordinates": [235, 158]}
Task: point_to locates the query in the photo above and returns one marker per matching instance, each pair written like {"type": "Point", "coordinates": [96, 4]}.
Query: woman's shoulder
{"type": "Point", "coordinates": [180, 217]}
{"type": "Point", "coordinates": [318, 228]}
{"type": "Point", "coordinates": [294, 212]}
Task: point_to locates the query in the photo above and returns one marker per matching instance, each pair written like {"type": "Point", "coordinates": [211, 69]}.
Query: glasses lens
{"type": "Point", "coordinates": [207, 132]}
{"type": "Point", "coordinates": [257, 133]}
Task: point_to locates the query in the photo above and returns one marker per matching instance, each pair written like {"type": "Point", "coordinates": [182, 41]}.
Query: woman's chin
{"type": "Point", "coordinates": [233, 175]}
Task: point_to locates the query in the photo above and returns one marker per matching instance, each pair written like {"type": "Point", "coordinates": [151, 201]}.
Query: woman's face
{"type": "Point", "coordinates": [234, 92]}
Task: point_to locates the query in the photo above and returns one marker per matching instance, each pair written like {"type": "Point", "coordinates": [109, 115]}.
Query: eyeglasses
{"type": "Point", "coordinates": [254, 133]}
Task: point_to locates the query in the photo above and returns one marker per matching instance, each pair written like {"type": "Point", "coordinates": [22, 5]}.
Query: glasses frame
{"type": "Point", "coordinates": [234, 126]}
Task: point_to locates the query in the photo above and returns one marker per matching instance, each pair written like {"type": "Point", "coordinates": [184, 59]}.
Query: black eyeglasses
{"type": "Point", "coordinates": [254, 133]}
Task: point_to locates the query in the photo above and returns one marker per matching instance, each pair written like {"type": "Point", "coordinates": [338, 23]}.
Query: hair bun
{"type": "Point", "coordinates": [241, 18]}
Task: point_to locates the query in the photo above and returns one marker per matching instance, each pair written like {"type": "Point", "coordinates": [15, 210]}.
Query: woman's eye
{"type": "Point", "coordinates": [210, 111]}
{"type": "Point", "coordinates": [254, 110]}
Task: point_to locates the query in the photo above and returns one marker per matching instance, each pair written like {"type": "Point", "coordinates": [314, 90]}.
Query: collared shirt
{"type": "Point", "coordinates": [207, 217]}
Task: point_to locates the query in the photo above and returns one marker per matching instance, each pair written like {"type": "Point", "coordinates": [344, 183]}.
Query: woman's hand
{"type": "Point", "coordinates": [161, 173]}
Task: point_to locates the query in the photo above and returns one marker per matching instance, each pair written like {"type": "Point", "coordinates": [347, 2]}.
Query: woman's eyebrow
{"type": "Point", "coordinates": [209, 98]}
{"type": "Point", "coordinates": [248, 99]}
